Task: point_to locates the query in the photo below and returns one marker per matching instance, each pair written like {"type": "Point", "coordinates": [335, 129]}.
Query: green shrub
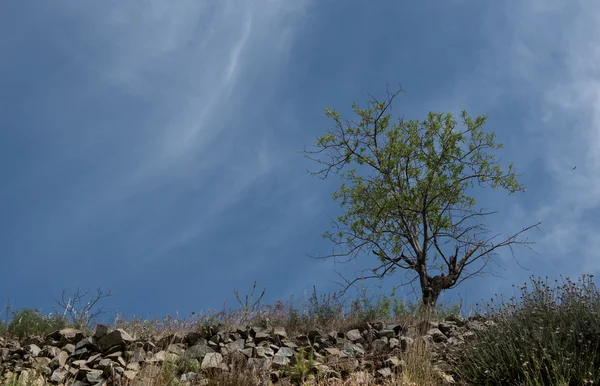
{"type": "Point", "coordinates": [29, 322]}
{"type": "Point", "coordinates": [550, 338]}
{"type": "Point", "coordinates": [303, 368]}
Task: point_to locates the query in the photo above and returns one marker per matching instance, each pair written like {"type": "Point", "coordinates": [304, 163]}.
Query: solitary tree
{"type": "Point", "coordinates": [408, 203]}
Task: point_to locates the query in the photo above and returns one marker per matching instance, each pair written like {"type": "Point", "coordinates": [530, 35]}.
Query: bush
{"type": "Point", "coordinates": [366, 309]}
{"type": "Point", "coordinates": [550, 338]}
{"type": "Point", "coordinates": [28, 322]}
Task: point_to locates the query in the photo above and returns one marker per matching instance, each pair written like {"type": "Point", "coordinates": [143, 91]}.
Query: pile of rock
{"type": "Point", "coordinates": [373, 350]}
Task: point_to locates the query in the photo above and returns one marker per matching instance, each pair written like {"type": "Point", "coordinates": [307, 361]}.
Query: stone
{"type": "Point", "coordinates": [280, 332]}
{"type": "Point", "coordinates": [385, 334]}
{"type": "Point", "coordinates": [113, 356]}
{"type": "Point", "coordinates": [437, 335]}
{"type": "Point", "coordinates": [396, 362]}
{"type": "Point", "coordinates": [60, 359]}
{"type": "Point", "coordinates": [101, 330]}
{"type": "Point", "coordinates": [58, 375]}
{"type": "Point", "coordinates": [116, 337]}
{"type": "Point", "coordinates": [33, 349]}
{"type": "Point", "coordinates": [65, 336]}
{"type": "Point", "coordinates": [262, 352]}
{"type": "Point", "coordinates": [285, 351]}
{"type": "Point", "coordinates": [212, 361]}
{"type": "Point", "coordinates": [261, 336]}
{"type": "Point", "coordinates": [353, 335]}
{"type": "Point", "coordinates": [280, 361]}
{"type": "Point", "coordinates": [385, 372]}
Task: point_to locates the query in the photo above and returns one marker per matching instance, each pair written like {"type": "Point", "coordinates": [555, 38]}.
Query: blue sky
{"type": "Point", "coordinates": [152, 148]}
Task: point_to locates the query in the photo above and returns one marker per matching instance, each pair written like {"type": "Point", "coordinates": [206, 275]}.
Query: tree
{"type": "Point", "coordinates": [412, 209]}
{"type": "Point", "coordinates": [72, 304]}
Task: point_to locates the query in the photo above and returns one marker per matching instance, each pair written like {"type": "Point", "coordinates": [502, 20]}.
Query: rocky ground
{"type": "Point", "coordinates": [371, 352]}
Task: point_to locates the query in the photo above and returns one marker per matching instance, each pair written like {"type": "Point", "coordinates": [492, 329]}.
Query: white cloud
{"type": "Point", "coordinates": [547, 56]}
{"type": "Point", "coordinates": [196, 61]}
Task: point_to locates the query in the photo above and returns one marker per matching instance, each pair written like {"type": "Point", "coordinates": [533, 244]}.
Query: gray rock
{"type": "Point", "coordinates": [353, 335]}
{"type": "Point", "coordinates": [101, 330]}
{"type": "Point", "coordinates": [111, 357]}
{"type": "Point", "coordinates": [385, 334]}
{"type": "Point", "coordinates": [212, 361]}
{"type": "Point", "coordinates": [285, 351]}
{"type": "Point", "coordinates": [437, 335]}
{"type": "Point", "coordinates": [280, 361]}
{"type": "Point", "coordinates": [198, 351]}
{"type": "Point", "coordinates": [59, 375]}
{"type": "Point", "coordinates": [385, 372]}
{"type": "Point", "coordinates": [116, 337]}
{"type": "Point", "coordinates": [33, 350]}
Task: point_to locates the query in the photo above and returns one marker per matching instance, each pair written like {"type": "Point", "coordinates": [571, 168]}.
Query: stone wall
{"type": "Point", "coordinates": [113, 357]}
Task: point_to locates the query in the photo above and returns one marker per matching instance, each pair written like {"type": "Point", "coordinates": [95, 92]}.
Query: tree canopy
{"type": "Point", "coordinates": [406, 196]}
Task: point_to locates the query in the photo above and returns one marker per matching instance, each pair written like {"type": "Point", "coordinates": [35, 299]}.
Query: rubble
{"type": "Point", "coordinates": [113, 357]}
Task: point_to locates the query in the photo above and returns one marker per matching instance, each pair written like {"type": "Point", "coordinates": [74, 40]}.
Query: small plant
{"type": "Point", "coordinates": [249, 307]}
{"type": "Point", "coordinates": [186, 365]}
{"type": "Point", "coordinates": [304, 366]}
{"type": "Point", "coordinates": [26, 378]}
{"type": "Point", "coordinates": [324, 309]}
{"type": "Point", "coordinates": [296, 317]}
{"type": "Point", "coordinates": [171, 370]}
{"type": "Point", "coordinates": [168, 374]}
{"type": "Point", "coordinates": [367, 309]}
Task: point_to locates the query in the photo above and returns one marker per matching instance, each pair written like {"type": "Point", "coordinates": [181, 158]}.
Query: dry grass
{"type": "Point", "coordinates": [550, 338]}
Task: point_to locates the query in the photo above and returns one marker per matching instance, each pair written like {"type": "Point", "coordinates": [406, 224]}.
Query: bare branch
{"type": "Point", "coordinates": [81, 315]}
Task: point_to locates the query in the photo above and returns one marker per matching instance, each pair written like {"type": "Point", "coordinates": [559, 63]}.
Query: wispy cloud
{"type": "Point", "coordinates": [193, 66]}
{"type": "Point", "coordinates": [543, 56]}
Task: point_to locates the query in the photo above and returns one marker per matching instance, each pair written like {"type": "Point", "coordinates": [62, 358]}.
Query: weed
{"type": "Point", "coordinates": [549, 338]}
{"type": "Point", "coordinates": [303, 367]}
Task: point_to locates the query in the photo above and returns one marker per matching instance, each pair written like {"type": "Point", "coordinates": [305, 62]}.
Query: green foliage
{"type": "Point", "coordinates": [405, 190]}
{"type": "Point", "coordinates": [550, 338]}
{"type": "Point", "coordinates": [400, 308]}
{"type": "Point", "coordinates": [27, 377]}
{"type": "Point", "coordinates": [382, 307]}
{"type": "Point", "coordinates": [324, 309]}
{"type": "Point", "coordinates": [366, 309]}
{"type": "Point", "coordinates": [14, 381]}
{"type": "Point", "coordinates": [29, 322]}
{"type": "Point", "coordinates": [168, 374]}
{"type": "Point", "coordinates": [186, 365]}
{"type": "Point", "coordinates": [296, 317]}
{"type": "Point", "coordinates": [421, 169]}
{"type": "Point", "coordinates": [171, 371]}
{"type": "Point", "coordinates": [304, 366]}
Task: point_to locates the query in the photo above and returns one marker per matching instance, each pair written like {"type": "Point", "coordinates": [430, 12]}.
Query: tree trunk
{"type": "Point", "coordinates": [431, 288]}
{"type": "Point", "coordinates": [430, 296]}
